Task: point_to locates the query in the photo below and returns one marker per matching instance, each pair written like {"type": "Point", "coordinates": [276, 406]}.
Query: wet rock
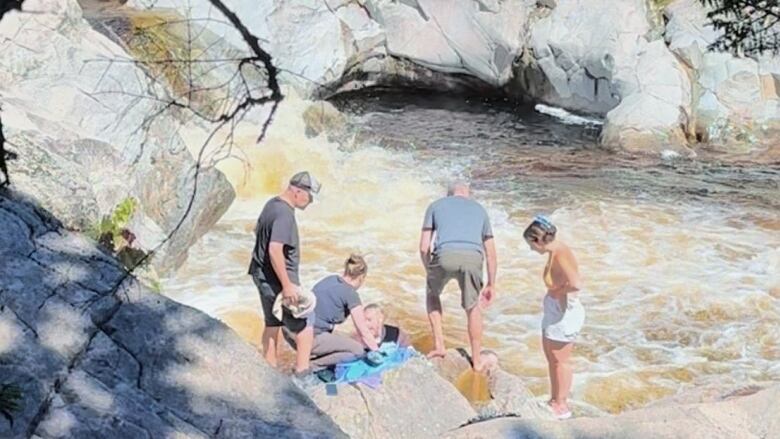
{"type": "Point", "coordinates": [412, 402]}
{"type": "Point", "coordinates": [324, 117]}
{"type": "Point", "coordinates": [511, 397]}
{"type": "Point", "coordinates": [508, 394]}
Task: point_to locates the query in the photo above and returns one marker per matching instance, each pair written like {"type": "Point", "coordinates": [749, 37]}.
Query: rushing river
{"type": "Point", "coordinates": [681, 257]}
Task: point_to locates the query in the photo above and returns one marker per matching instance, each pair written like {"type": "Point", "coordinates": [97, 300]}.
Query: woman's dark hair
{"type": "Point", "coordinates": [541, 230]}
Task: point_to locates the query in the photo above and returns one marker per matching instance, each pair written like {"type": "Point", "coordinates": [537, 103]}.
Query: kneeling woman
{"type": "Point", "coordinates": [563, 314]}
{"type": "Point", "coordinates": [337, 299]}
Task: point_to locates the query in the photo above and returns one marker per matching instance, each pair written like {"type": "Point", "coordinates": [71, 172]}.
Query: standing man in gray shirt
{"type": "Point", "coordinates": [274, 267]}
{"type": "Point", "coordinates": [459, 229]}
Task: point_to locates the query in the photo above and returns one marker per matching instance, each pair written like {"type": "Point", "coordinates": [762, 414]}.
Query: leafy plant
{"type": "Point", "coordinates": [110, 226]}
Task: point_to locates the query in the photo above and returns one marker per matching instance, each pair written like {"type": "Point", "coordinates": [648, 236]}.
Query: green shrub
{"type": "Point", "coordinates": [110, 226]}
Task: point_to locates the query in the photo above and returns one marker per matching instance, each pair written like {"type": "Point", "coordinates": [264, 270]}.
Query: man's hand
{"type": "Point", "coordinates": [487, 295]}
{"type": "Point", "coordinates": [290, 295]}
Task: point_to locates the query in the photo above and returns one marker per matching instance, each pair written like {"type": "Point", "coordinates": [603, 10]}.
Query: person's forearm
{"type": "Point", "coordinates": [277, 262]}
{"type": "Point", "coordinates": [366, 336]}
{"type": "Point", "coordinates": [491, 268]}
{"type": "Point", "coordinates": [492, 261]}
{"type": "Point", "coordinates": [425, 248]}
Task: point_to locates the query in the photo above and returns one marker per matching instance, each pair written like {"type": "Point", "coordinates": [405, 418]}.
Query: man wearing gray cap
{"type": "Point", "coordinates": [274, 267]}
{"type": "Point", "coordinates": [462, 238]}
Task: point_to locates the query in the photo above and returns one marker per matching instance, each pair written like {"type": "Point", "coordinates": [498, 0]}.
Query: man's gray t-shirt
{"type": "Point", "coordinates": [335, 299]}
{"type": "Point", "coordinates": [276, 223]}
{"type": "Point", "coordinates": [460, 223]}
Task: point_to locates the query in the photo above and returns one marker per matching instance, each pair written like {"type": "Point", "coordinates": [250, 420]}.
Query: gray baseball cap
{"type": "Point", "coordinates": [304, 180]}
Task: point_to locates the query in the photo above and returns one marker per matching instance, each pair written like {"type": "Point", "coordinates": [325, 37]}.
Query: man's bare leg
{"type": "Point", "coordinates": [475, 336]}
{"type": "Point", "coordinates": [433, 305]}
{"type": "Point", "coordinates": [270, 341]}
{"type": "Point", "coordinates": [303, 344]}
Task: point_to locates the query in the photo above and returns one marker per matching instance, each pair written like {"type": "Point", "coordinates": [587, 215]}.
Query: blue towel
{"type": "Point", "coordinates": [361, 371]}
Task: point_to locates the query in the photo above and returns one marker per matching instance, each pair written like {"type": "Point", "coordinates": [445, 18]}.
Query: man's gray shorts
{"type": "Point", "coordinates": [267, 298]}
{"type": "Point", "coordinates": [463, 265]}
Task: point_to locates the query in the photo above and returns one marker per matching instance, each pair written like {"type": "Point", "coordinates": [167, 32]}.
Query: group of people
{"type": "Point", "coordinates": [456, 242]}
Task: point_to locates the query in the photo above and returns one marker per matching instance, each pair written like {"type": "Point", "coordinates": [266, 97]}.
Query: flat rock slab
{"type": "Point", "coordinates": [412, 402]}
{"type": "Point", "coordinates": [751, 417]}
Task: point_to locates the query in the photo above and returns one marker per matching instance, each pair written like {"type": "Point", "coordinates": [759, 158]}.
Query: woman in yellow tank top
{"type": "Point", "coordinates": [563, 313]}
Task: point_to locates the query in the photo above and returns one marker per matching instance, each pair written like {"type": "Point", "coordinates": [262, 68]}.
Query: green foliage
{"type": "Point", "coordinates": [660, 4]}
{"type": "Point", "coordinates": [10, 395]}
{"type": "Point", "coordinates": [108, 231]}
{"type": "Point", "coordinates": [155, 285]}
{"type": "Point", "coordinates": [749, 27]}
{"type": "Point", "coordinates": [110, 226]}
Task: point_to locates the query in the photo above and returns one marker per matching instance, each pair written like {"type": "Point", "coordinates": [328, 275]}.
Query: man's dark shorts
{"type": "Point", "coordinates": [267, 298]}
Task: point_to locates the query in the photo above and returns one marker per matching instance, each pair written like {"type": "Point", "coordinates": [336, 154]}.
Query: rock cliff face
{"type": "Point", "coordinates": [89, 136]}
{"type": "Point", "coordinates": [656, 84]}
{"type": "Point", "coordinates": [735, 101]}
{"type": "Point", "coordinates": [97, 355]}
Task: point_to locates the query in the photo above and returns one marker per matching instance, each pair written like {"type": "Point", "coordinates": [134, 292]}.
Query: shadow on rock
{"type": "Point", "coordinates": [95, 354]}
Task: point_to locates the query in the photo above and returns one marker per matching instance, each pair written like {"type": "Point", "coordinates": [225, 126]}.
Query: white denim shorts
{"type": "Point", "coordinates": [562, 325]}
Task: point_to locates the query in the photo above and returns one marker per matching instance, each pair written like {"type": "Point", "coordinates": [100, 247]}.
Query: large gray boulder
{"type": "Point", "coordinates": [736, 101]}
{"type": "Point", "coordinates": [479, 38]}
{"type": "Point", "coordinates": [89, 134]}
{"type": "Point", "coordinates": [412, 402]}
{"type": "Point", "coordinates": [749, 417]}
{"type": "Point", "coordinates": [604, 58]}
{"type": "Point", "coordinates": [586, 52]}
{"type": "Point", "coordinates": [97, 355]}
{"type": "Point", "coordinates": [655, 117]}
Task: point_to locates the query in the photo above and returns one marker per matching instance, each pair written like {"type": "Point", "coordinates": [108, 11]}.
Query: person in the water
{"type": "Point", "coordinates": [382, 332]}
{"type": "Point", "coordinates": [456, 239]}
{"type": "Point", "coordinates": [563, 313]}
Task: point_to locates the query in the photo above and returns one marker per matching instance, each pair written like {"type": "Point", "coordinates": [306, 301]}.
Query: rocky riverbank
{"type": "Point", "coordinates": [95, 354]}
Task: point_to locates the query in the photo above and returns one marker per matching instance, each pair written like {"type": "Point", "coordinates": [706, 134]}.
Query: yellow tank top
{"type": "Point", "coordinates": [547, 275]}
